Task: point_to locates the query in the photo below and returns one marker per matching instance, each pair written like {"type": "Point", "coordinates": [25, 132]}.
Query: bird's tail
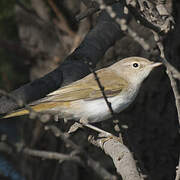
{"type": "Point", "coordinates": [16, 113]}
{"type": "Point", "coordinates": [37, 108]}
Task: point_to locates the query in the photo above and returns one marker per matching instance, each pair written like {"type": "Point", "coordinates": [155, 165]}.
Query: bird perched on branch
{"type": "Point", "coordinates": [84, 98]}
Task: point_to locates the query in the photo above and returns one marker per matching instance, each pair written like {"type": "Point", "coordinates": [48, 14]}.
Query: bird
{"type": "Point", "coordinates": [84, 99]}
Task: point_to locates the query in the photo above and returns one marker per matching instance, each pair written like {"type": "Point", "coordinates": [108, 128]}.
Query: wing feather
{"type": "Point", "coordinates": [88, 89]}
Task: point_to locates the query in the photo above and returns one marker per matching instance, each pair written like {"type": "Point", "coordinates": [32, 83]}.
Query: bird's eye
{"type": "Point", "coordinates": [136, 65]}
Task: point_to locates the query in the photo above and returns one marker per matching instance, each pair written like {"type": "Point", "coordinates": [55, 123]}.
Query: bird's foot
{"type": "Point", "coordinates": [75, 127]}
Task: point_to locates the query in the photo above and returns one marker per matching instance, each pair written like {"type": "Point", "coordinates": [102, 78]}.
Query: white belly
{"type": "Point", "coordinates": [97, 110]}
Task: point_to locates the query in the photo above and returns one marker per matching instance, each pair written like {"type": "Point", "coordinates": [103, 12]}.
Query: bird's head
{"type": "Point", "coordinates": [135, 69]}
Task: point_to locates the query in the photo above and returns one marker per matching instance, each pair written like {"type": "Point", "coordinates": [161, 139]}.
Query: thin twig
{"type": "Point", "coordinates": [102, 90]}
{"type": "Point", "coordinates": [113, 114]}
{"type": "Point", "coordinates": [62, 23]}
{"type": "Point", "coordinates": [51, 155]}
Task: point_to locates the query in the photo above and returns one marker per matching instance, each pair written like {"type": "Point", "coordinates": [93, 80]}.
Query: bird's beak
{"type": "Point", "coordinates": [155, 64]}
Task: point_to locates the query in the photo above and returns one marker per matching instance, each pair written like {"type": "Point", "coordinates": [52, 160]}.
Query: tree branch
{"type": "Point", "coordinates": [121, 156]}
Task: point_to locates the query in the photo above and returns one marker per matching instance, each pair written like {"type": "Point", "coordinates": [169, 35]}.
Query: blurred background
{"type": "Point", "coordinates": [35, 37]}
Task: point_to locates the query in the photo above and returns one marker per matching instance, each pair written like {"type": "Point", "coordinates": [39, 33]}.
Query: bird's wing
{"type": "Point", "coordinates": [88, 89]}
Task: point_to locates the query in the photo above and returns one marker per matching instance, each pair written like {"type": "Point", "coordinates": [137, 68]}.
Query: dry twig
{"type": "Point", "coordinates": [62, 23]}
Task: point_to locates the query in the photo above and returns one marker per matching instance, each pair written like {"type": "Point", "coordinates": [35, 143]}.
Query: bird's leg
{"type": "Point", "coordinates": [56, 117]}
{"type": "Point", "coordinates": [84, 122]}
{"type": "Point", "coordinates": [75, 127]}
{"type": "Point", "coordinates": [107, 136]}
